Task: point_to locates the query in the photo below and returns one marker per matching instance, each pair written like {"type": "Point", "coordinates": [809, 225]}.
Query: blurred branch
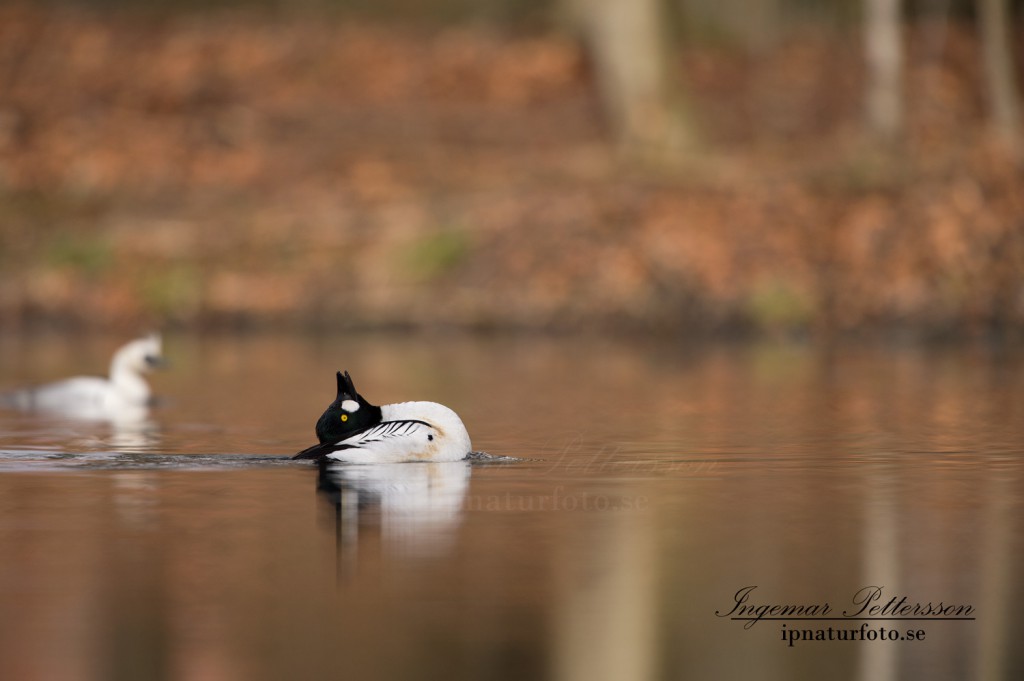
{"type": "Point", "coordinates": [1000, 75]}
{"type": "Point", "coordinates": [883, 52]}
{"type": "Point", "coordinates": [627, 45]}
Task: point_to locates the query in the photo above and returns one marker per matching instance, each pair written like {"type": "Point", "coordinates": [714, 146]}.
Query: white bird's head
{"type": "Point", "coordinates": [140, 356]}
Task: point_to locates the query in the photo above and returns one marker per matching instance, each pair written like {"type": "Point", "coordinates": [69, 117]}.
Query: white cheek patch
{"type": "Point", "coordinates": [350, 405]}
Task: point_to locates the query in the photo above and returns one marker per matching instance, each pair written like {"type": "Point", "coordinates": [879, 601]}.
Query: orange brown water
{"type": "Point", "coordinates": [660, 480]}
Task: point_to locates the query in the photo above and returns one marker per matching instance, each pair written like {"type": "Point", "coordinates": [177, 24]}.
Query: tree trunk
{"type": "Point", "coordinates": [1000, 75]}
{"type": "Point", "coordinates": [883, 51]}
{"type": "Point", "coordinates": [627, 46]}
{"type": "Point", "coordinates": [757, 26]}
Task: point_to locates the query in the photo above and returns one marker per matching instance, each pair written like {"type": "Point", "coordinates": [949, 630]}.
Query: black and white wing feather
{"type": "Point", "coordinates": [402, 439]}
{"type": "Point", "coordinates": [404, 431]}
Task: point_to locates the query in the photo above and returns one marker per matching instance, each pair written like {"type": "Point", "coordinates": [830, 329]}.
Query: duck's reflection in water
{"type": "Point", "coordinates": [414, 508]}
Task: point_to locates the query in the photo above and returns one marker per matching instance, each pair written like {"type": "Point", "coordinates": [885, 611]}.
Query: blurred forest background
{"type": "Point", "coordinates": [681, 166]}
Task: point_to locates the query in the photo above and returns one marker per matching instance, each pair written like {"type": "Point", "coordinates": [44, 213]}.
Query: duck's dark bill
{"type": "Point", "coordinates": [314, 452]}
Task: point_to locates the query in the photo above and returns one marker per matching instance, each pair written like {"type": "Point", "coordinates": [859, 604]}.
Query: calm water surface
{"type": "Point", "coordinates": [659, 482]}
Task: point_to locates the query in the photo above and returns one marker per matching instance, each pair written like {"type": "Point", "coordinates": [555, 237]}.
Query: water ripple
{"type": "Point", "coordinates": [13, 460]}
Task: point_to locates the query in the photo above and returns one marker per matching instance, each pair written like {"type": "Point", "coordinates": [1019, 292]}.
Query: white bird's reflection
{"type": "Point", "coordinates": [417, 507]}
{"type": "Point", "coordinates": [137, 434]}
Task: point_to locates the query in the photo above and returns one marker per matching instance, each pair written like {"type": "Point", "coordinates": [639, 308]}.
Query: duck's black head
{"type": "Point", "coordinates": [348, 414]}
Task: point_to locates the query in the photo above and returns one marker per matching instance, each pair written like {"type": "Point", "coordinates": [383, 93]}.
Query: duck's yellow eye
{"type": "Point", "coordinates": [344, 417]}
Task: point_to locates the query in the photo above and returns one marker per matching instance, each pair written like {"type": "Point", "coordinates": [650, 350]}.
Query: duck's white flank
{"type": "Point", "coordinates": [408, 431]}
{"type": "Point", "coordinates": [88, 397]}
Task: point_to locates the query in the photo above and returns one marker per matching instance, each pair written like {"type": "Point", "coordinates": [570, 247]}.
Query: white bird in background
{"type": "Point", "coordinates": [122, 396]}
{"type": "Point", "coordinates": [352, 430]}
